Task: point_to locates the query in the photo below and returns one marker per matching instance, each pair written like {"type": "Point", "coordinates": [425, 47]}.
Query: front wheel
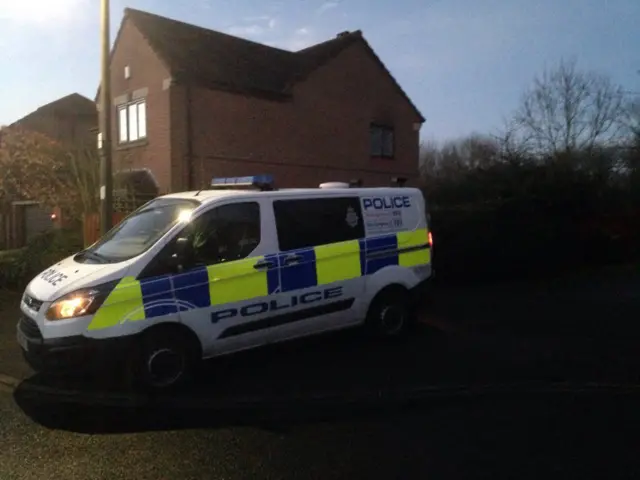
{"type": "Point", "coordinates": [165, 360]}
{"type": "Point", "coordinates": [390, 314]}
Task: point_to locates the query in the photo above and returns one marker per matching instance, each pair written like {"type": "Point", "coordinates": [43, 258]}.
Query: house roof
{"type": "Point", "coordinates": [200, 56]}
{"type": "Point", "coordinates": [73, 104]}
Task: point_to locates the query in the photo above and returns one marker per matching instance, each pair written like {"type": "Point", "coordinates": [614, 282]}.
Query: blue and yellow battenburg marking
{"type": "Point", "coordinates": [133, 300]}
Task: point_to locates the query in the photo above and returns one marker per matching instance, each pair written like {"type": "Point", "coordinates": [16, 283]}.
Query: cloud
{"type": "Point", "coordinates": [245, 31]}
{"type": "Point", "coordinates": [303, 31]}
{"type": "Point", "coordinates": [42, 12]}
{"type": "Point", "coordinates": [331, 4]}
{"type": "Point", "coordinates": [272, 23]}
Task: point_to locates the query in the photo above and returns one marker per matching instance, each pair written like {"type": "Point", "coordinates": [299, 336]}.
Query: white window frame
{"type": "Point", "coordinates": [132, 121]}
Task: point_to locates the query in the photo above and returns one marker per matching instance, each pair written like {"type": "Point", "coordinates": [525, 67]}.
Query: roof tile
{"type": "Point", "coordinates": [198, 55]}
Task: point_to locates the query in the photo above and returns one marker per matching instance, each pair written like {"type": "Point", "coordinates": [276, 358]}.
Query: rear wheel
{"type": "Point", "coordinates": [390, 314]}
{"type": "Point", "coordinates": [165, 359]}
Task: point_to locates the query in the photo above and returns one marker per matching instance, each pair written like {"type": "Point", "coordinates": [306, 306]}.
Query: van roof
{"type": "Point", "coordinates": [210, 195]}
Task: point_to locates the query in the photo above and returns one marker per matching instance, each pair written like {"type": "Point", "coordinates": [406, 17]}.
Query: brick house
{"type": "Point", "coordinates": [190, 104]}
{"type": "Point", "coordinates": [71, 120]}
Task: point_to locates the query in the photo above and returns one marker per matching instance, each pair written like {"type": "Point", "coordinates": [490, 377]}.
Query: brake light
{"type": "Point", "coordinates": [430, 239]}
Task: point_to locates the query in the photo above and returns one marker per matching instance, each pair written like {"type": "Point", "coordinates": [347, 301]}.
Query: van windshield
{"type": "Point", "coordinates": [139, 231]}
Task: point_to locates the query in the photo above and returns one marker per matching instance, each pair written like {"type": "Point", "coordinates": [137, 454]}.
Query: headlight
{"type": "Point", "coordinates": [79, 303]}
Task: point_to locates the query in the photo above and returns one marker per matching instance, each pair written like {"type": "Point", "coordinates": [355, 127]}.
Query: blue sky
{"type": "Point", "coordinates": [465, 63]}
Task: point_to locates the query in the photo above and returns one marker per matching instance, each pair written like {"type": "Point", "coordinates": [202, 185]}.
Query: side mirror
{"type": "Point", "coordinates": [182, 245]}
{"type": "Point", "coordinates": [180, 254]}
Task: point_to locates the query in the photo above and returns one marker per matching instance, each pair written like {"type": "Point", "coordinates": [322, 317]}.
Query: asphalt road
{"type": "Point", "coordinates": [512, 436]}
{"type": "Point", "coordinates": [502, 344]}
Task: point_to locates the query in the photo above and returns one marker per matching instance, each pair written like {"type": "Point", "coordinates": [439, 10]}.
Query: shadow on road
{"type": "Point", "coordinates": [102, 420]}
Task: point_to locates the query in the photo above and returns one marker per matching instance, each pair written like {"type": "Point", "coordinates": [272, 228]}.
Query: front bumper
{"type": "Point", "coordinates": [69, 354]}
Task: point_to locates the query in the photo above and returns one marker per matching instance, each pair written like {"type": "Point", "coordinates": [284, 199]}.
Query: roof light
{"type": "Point", "coordinates": [263, 182]}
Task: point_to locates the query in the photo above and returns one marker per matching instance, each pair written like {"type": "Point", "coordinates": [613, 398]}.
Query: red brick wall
{"type": "Point", "coordinates": [147, 71]}
{"type": "Point", "coordinates": [322, 135]}
{"type": "Point", "coordinates": [180, 139]}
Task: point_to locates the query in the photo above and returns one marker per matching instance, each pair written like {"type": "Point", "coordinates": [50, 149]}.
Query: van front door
{"type": "Point", "coordinates": [221, 292]}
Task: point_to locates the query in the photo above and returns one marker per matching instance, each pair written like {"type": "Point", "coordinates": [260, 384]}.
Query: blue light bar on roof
{"type": "Point", "coordinates": [258, 181]}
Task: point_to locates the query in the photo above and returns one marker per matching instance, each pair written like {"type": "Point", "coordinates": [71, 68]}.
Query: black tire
{"type": "Point", "coordinates": [391, 313]}
{"type": "Point", "coordinates": [165, 360]}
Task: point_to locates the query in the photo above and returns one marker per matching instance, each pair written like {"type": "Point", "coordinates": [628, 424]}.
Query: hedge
{"type": "Point", "coordinates": [18, 267]}
{"type": "Point", "coordinates": [515, 241]}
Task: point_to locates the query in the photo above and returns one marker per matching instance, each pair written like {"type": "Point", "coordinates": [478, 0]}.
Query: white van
{"type": "Point", "coordinates": [194, 275]}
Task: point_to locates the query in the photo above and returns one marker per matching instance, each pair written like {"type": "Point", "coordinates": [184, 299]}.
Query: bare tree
{"type": "Point", "coordinates": [568, 110]}
{"type": "Point", "coordinates": [631, 121]}
{"type": "Point", "coordinates": [83, 164]}
{"type": "Point", "coordinates": [456, 157]}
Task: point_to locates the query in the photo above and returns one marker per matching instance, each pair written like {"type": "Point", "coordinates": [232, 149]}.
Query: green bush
{"type": "Point", "coordinates": [18, 267]}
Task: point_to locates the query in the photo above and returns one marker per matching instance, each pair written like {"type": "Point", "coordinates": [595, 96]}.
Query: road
{"type": "Point", "coordinates": [518, 436]}
{"type": "Point", "coordinates": [504, 344]}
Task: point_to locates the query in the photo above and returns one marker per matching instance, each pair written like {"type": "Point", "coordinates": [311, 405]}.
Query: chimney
{"type": "Point", "coordinates": [343, 34]}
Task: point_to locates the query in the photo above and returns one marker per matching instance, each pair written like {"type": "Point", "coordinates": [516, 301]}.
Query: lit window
{"type": "Point", "coordinates": [142, 120]}
{"type": "Point", "coordinates": [99, 140]}
{"type": "Point", "coordinates": [132, 121]}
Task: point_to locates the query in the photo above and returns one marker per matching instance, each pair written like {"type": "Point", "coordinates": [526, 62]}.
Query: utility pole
{"type": "Point", "coordinates": [106, 175]}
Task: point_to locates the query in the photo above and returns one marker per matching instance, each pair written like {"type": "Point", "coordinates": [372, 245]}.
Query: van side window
{"type": "Point", "coordinates": [227, 233]}
{"type": "Point", "coordinates": [317, 221]}
{"type": "Point", "coordinates": [230, 232]}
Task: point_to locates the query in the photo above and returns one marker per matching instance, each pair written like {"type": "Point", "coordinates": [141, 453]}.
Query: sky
{"type": "Point", "coordinates": [464, 63]}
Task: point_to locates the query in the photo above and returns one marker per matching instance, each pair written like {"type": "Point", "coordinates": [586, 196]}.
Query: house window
{"type": "Point", "coordinates": [382, 141]}
{"type": "Point", "coordinates": [132, 121]}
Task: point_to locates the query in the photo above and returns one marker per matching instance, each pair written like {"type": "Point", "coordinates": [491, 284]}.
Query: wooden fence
{"type": "Point", "coordinates": [91, 226]}
{"type": "Point", "coordinates": [123, 204]}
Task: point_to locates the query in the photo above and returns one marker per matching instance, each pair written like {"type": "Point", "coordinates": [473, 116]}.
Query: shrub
{"type": "Point", "coordinates": [527, 236]}
{"type": "Point", "coordinates": [18, 267]}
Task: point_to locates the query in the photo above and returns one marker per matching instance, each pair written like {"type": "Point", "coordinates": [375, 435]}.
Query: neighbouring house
{"type": "Point", "coordinates": [71, 120]}
{"type": "Point", "coordinates": [190, 104]}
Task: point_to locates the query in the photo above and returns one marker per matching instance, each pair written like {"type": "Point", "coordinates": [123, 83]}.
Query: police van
{"type": "Point", "coordinates": [194, 275]}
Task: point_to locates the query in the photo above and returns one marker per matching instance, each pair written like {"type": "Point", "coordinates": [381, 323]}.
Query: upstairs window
{"type": "Point", "coordinates": [382, 141]}
{"type": "Point", "coordinates": [132, 121]}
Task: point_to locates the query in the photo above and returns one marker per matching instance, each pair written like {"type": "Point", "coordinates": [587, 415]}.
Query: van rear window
{"type": "Point", "coordinates": [310, 222]}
